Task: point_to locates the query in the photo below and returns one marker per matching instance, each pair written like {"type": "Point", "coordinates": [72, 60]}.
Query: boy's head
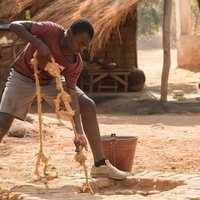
{"type": "Point", "coordinates": [81, 33]}
{"type": "Point", "coordinates": [82, 25]}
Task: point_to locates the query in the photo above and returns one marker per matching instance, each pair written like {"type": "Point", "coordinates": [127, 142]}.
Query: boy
{"type": "Point", "coordinates": [66, 47]}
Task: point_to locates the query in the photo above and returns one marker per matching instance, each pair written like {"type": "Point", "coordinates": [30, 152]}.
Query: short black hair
{"type": "Point", "coordinates": [82, 25]}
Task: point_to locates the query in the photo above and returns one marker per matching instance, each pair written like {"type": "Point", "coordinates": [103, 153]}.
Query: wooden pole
{"type": "Point", "coordinates": [199, 4]}
{"type": "Point", "coordinates": [166, 48]}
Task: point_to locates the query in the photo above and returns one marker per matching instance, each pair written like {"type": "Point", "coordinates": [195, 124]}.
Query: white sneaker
{"type": "Point", "coordinates": [107, 171]}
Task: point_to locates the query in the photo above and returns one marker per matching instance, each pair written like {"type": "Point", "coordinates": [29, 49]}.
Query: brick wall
{"type": "Point", "coordinates": [123, 52]}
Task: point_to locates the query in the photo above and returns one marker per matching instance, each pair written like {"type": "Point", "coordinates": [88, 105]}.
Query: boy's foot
{"type": "Point", "coordinates": [107, 171]}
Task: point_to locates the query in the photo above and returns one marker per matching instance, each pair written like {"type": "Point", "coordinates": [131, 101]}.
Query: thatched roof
{"type": "Point", "coordinates": [106, 15]}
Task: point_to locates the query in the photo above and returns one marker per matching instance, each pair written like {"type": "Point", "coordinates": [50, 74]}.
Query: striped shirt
{"type": "Point", "coordinates": [50, 33]}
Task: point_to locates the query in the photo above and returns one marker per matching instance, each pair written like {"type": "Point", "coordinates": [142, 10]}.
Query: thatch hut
{"type": "Point", "coordinates": [114, 21]}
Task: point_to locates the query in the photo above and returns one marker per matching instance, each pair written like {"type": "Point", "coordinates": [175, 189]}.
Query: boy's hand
{"type": "Point", "coordinates": [80, 142]}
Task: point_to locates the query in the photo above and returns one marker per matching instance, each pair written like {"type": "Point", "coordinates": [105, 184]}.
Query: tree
{"type": "Point", "coordinates": [150, 14]}
{"type": "Point", "coordinates": [195, 6]}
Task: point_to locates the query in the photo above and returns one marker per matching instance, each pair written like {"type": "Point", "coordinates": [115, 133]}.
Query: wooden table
{"type": "Point", "coordinates": [92, 76]}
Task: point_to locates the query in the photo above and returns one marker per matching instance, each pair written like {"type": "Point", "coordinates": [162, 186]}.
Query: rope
{"type": "Point", "coordinates": [55, 69]}
{"type": "Point", "coordinates": [41, 157]}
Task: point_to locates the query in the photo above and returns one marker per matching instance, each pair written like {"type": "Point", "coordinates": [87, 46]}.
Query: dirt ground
{"type": "Point", "coordinates": [168, 142]}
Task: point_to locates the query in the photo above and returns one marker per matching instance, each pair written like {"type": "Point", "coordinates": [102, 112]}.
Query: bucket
{"type": "Point", "coordinates": [120, 150]}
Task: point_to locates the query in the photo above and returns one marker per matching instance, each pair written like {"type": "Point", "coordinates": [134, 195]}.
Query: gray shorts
{"type": "Point", "coordinates": [20, 92]}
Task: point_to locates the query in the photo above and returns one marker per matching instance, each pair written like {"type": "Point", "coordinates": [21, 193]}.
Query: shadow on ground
{"type": "Point", "coordinates": [128, 105]}
{"type": "Point", "coordinates": [138, 103]}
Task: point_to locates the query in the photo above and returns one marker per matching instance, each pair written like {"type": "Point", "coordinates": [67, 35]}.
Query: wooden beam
{"type": "Point", "coordinates": [166, 48]}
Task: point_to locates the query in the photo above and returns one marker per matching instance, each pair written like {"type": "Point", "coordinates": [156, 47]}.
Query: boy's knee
{"type": "Point", "coordinates": [87, 106]}
{"type": "Point", "coordinates": [90, 103]}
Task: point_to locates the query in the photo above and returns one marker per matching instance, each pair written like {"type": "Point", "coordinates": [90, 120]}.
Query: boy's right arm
{"type": "Point", "coordinates": [23, 30]}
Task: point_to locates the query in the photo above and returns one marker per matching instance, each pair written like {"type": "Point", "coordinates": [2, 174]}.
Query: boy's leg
{"type": "Point", "coordinates": [102, 167]}
{"type": "Point", "coordinates": [88, 116]}
{"type": "Point", "coordinates": [5, 124]}
{"type": "Point", "coordinates": [16, 100]}
{"type": "Point", "coordinates": [90, 125]}
{"type": "Point", "coordinates": [91, 129]}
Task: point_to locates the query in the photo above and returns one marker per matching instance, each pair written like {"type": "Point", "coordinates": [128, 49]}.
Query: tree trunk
{"type": "Point", "coordinates": [199, 4]}
{"type": "Point", "coordinates": [166, 48]}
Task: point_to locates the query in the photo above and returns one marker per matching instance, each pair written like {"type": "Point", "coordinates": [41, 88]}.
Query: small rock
{"type": "Point", "coordinates": [130, 182]}
{"type": "Point", "coordinates": [17, 133]}
{"type": "Point", "coordinates": [14, 196]}
{"type": "Point", "coordinates": [29, 119]}
{"type": "Point", "coordinates": [146, 182]}
{"type": "Point", "coordinates": [162, 184]}
{"type": "Point", "coordinates": [125, 192]}
{"type": "Point", "coordinates": [104, 182]}
{"type": "Point", "coordinates": [152, 192]}
{"type": "Point", "coordinates": [144, 193]}
{"type": "Point", "coordinates": [22, 196]}
{"type": "Point", "coordinates": [109, 192]}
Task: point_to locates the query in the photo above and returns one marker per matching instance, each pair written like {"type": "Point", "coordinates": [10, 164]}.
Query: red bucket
{"type": "Point", "coordinates": [120, 150]}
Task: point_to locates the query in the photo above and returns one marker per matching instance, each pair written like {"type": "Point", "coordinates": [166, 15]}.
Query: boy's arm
{"type": "Point", "coordinates": [23, 30]}
{"type": "Point", "coordinates": [75, 106]}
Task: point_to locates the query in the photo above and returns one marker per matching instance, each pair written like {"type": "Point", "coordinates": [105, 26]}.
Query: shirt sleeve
{"type": "Point", "coordinates": [43, 28]}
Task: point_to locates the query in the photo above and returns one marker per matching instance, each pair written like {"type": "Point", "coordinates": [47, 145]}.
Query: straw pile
{"type": "Point", "coordinates": [106, 15]}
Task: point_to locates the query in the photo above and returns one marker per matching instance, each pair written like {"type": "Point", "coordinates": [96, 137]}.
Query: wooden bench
{"type": "Point", "coordinates": [91, 77]}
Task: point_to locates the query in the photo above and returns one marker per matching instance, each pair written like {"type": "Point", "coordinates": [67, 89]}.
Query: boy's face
{"type": "Point", "coordinates": [79, 42]}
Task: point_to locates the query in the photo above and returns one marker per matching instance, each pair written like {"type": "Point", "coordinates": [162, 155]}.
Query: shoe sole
{"type": "Point", "coordinates": [106, 176]}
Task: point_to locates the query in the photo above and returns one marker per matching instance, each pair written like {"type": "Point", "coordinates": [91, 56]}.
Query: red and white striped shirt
{"type": "Point", "coordinates": [50, 33]}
